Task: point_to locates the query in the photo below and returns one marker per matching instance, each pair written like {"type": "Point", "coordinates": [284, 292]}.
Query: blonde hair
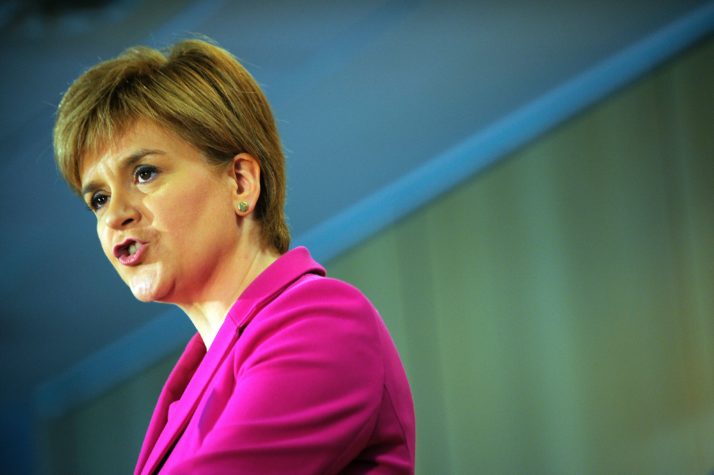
{"type": "Point", "coordinates": [196, 90]}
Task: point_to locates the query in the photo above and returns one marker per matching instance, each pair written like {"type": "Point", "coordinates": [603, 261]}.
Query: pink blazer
{"type": "Point", "coordinates": [302, 378]}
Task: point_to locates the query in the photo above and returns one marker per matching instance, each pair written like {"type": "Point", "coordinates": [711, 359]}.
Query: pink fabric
{"type": "Point", "coordinates": [302, 378]}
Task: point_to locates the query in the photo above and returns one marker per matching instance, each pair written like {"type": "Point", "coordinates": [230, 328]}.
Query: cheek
{"type": "Point", "coordinates": [104, 241]}
{"type": "Point", "coordinates": [201, 203]}
{"type": "Point", "coordinates": [194, 216]}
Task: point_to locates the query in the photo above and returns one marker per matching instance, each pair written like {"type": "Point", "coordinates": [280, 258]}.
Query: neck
{"type": "Point", "coordinates": [208, 312]}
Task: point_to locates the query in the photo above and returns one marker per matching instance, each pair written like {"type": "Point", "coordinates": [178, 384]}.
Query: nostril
{"type": "Point", "coordinates": [127, 221]}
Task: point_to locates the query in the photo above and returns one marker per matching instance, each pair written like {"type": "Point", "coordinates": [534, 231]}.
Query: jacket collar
{"type": "Point", "coordinates": [196, 367]}
{"type": "Point", "coordinates": [272, 281]}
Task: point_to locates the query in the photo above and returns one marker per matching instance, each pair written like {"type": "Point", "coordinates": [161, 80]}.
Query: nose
{"type": "Point", "coordinates": [120, 212]}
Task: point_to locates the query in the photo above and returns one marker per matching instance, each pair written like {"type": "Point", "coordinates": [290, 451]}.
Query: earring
{"type": "Point", "coordinates": [243, 206]}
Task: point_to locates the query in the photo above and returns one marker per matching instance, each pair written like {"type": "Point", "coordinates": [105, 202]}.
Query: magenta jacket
{"type": "Point", "coordinates": [302, 378]}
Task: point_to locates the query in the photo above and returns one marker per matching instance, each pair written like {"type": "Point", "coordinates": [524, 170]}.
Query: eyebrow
{"type": "Point", "coordinates": [127, 162]}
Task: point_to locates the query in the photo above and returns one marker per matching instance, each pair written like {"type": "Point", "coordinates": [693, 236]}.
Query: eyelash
{"type": "Point", "coordinates": [99, 199]}
{"type": "Point", "coordinates": [94, 203]}
{"type": "Point", "coordinates": [145, 169]}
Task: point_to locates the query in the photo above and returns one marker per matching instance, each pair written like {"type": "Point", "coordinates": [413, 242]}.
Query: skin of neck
{"type": "Point", "coordinates": [248, 259]}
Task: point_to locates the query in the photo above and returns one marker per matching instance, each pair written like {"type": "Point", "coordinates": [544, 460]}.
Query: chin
{"type": "Point", "coordinates": [147, 285]}
{"type": "Point", "coordinates": [147, 291]}
{"type": "Point", "coordinates": [143, 297]}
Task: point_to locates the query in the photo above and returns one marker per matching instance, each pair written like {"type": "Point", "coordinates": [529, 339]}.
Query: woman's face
{"type": "Point", "coordinates": [165, 217]}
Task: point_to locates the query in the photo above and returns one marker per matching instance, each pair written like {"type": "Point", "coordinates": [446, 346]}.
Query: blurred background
{"type": "Point", "coordinates": [525, 190]}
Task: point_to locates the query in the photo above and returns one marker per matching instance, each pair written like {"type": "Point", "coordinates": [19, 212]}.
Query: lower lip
{"type": "Point", "coordinates": [134, 259]}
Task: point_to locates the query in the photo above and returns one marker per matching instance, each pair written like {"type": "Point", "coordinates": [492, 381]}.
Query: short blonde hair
{"type": "Point", "coordinates": [196, 90]}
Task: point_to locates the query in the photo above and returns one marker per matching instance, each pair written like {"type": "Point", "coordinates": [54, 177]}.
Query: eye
{"type": "Point", "coordinates": [145, 174]}
{"type": "Point", "coordinates": [97, 201]}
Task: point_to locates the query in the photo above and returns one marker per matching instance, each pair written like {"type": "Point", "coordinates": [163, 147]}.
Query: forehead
{"type": "Point", "coordinates": [136, 140]}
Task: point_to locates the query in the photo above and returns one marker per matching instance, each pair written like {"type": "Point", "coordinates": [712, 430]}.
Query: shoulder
{"type": "Point", "coordinates": [322, 317]}
{"type": "Point", "coordinates": [327, 294]}
{"type": "Point", "coordinates": [339, 308]}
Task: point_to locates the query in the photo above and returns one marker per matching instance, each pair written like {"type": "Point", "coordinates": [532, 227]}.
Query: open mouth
{"type": "Point", "coordinates": [129, 251]}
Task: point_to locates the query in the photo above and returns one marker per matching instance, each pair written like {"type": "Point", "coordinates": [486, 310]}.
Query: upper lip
{"type": "Point", "coordinates": [122, 246]}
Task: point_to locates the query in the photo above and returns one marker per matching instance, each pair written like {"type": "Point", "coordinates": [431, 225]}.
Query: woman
{"type": "Point", "coordinates": [290, 372]}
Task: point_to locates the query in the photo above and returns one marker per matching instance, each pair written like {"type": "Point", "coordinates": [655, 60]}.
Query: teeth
{"type": "Point", "coordinates": [132, 249]}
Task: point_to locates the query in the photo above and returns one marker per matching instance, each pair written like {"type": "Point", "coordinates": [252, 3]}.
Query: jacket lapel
{"type": "Point", "coordinates": [176, 405]}
{"type": "Point", "coordinates": [171, 392]}
{"type": "Point", "coordinates": [180, 411]}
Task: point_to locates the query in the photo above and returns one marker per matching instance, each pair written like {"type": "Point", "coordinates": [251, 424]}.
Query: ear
{"type": "Point", "coordinates": [244, 174]}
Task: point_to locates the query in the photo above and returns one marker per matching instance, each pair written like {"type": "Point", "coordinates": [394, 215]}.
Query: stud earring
{"type": "Point", "coordinates": [243, 206]}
